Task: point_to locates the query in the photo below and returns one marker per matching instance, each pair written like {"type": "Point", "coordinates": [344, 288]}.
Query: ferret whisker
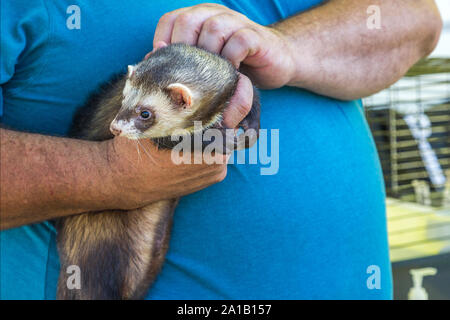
{"type": "Point", "coordinates": [147, 153]}
{"type": "Point", "coordinates": [133, 164]}
{"type": "Point", "coordinates": [138, 151]}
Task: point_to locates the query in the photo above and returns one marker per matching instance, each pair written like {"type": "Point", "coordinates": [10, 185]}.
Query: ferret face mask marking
{"type": "Point", "coordinates": [153, 114]}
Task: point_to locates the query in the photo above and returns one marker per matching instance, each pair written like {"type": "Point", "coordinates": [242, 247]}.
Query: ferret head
{"type": "Point", "coordinates": [151, 110]}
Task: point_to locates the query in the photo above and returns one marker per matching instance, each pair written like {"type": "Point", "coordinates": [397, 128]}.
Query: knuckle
{"type": "Point", "coordinates": [211, 5]}
{"type": "Point", "coordinates": [213, 25]}
{"type": "Point", "coordinates": [165, 18]}
{"type": "Point", "coordinates": [244, 108]}
{"type": "Point", "coordinates": [184, 19]}
{"type": "Point", "coordinates": [244, 36]}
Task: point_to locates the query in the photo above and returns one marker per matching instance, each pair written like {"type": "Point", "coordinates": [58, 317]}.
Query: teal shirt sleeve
{"type": "Point", "coordinates": [24, 26]}
{"type": "Point", "coordinates": [22, 31]}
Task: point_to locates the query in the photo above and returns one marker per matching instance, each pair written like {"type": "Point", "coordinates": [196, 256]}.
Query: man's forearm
{"type": "Point", "coordinates": [338, 55]}
{"type": "Point", "coordinates": [46, 177]}
{"type": "Point", "coordinates": [43, 177]}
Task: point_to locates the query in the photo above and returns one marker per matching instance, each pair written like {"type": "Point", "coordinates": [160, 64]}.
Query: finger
{"type": "Point", "coordinates": [217, 175]}
{"type": "Point", "coordinates": [188, 24]}
{"type": "Point", "coordinates": [164, 28]}
{"type": "Point", "coordinates": [201, 181]}
{"type": "Point", "coordinates": [240, 103]}
{"type": "Point", "coordinates": [242, 44]}
{"type": "Point", "coordinates": [158, 45]}
{"type": "Point", "coordinates": [148, 54]}
{"type": "Point", "coordinates": [217, 30]}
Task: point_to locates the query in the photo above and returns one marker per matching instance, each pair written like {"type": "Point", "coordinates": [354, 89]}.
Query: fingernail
{"type": "Point", "coordinates": [160, 44]}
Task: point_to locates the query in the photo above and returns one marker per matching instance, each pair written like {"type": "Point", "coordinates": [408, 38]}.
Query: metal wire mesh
{"type": "Point", "coordinates": [410, 122]}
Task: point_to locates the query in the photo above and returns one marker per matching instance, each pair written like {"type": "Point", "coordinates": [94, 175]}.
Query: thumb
{"type": "Point", "coordinates": [240, 103]}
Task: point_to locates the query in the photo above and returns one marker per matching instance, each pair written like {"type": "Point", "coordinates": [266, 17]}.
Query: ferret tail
{"type": "Point", "coordinates": [112, 255]}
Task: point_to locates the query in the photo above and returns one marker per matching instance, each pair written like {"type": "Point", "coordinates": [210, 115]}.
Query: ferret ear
{"type": "Point", "coordinates": [181, 95]}
{"type": "Point", "coordinates": [130, 71]}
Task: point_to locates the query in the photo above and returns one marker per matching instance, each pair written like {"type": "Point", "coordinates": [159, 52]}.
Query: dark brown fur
{"type": "Point", "coordinates": [120, 253]}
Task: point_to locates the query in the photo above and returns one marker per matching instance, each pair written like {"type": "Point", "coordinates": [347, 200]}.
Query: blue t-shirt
{"type": "Point", "coordinates": [315, 229]}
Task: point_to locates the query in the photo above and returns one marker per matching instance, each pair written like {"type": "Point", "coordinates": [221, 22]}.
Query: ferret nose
{"type": "Point", "coordinates": [114, 129]}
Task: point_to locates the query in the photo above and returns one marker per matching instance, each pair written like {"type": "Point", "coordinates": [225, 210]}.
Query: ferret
{"type": "Point", "coordinates": [120, 253]}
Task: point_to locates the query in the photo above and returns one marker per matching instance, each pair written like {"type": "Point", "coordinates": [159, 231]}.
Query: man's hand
{"type": "Point", "coordinates": [329, 50]}
{"type": "Point", "coordinates": [262, 52]}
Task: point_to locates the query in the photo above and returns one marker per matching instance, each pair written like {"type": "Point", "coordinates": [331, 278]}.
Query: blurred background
{"type": "Point", "coordinates": [410, 123]}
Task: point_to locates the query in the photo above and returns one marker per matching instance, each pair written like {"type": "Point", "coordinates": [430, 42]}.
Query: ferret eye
{"type": "Point", "coordinates": [145, 114]}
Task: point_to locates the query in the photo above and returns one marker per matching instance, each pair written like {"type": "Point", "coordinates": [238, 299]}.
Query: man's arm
{"type": "Point", "coordinates": [43, 177]}
{"type": "Point", "coordinates": [46, 177]}
{"type": "Point", "coordinates": [328, 50]}
{"type": "Point", "coordinates": [340, 56]}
